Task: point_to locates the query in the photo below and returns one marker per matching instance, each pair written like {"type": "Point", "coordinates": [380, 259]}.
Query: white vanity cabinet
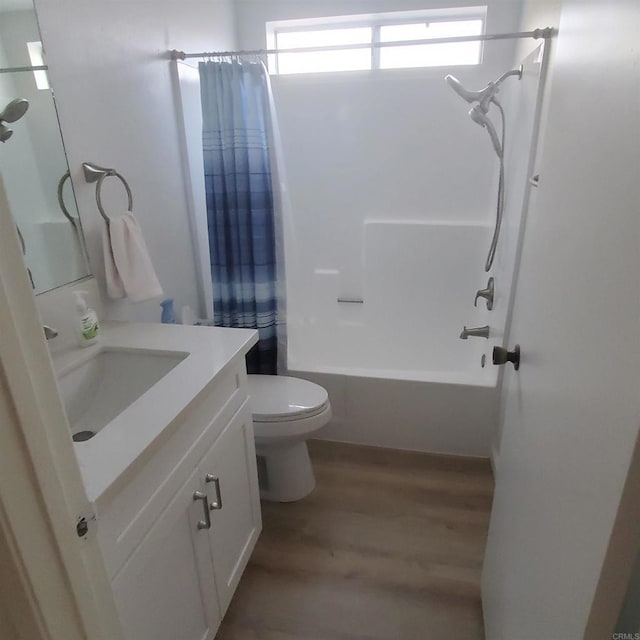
{"type": "Point", "coordinates": [176, 534]}
{"type": "Point", "coordinates": [230, 474]}
{"type": "Point", "coordinates": [167, 590]}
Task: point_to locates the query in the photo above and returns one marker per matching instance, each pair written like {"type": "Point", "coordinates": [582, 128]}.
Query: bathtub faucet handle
{"type": "Point", "coordinates": [487, 294]}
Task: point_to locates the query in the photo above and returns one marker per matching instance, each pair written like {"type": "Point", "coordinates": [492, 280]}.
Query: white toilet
{"type": "Point", "coordinates": [286, 413]}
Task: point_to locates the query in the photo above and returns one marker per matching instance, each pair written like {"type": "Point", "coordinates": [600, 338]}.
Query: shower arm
{"type": "Point", "coordinates": [507, 74]}
{"type": "Point", "coordinates": [492, 88]}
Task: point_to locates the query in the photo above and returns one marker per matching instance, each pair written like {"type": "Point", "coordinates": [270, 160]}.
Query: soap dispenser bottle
{"type": "Point", "coordinates": [86, 320]}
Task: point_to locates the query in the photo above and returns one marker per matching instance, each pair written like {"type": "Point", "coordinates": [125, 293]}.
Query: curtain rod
{"type": "Point", "coordinates": [17, 69]}
{"type": "Point", "coordinates": [536, 34]}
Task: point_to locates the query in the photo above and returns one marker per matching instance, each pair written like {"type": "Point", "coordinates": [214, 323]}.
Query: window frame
{"type": "Point", "coordinates": [373, 21]}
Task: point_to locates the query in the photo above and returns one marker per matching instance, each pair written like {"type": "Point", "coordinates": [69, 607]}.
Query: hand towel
{"type": "Point", "coordinates": [128, 268]}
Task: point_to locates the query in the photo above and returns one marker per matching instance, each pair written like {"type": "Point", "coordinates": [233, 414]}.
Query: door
{"type": "Point", "coordinates": [571, 413]}
{"type": "Point", "coordinates": [235, 518]}
{"type": "Point", "coordinates": [166, 590]}
{"type": "Point", "coordinates": [41, 491]}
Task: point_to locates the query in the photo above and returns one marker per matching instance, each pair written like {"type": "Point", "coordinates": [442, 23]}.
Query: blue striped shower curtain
{"type": "Point", "coordinates": [240, 208]}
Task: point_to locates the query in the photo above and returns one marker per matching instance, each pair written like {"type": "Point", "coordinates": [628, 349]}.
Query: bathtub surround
{"type": "Point", "coordinates": [386, 146]}
{"type": "Point", "coordinates": [396, 359]}
{"type": "Point", "coordinates": [240, 210]}
{"type": "Point", "coordinates": [421, 277]}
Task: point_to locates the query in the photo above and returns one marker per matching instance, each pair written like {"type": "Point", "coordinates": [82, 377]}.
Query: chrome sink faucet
{"type": "Point", "coordinates": [476, 332]}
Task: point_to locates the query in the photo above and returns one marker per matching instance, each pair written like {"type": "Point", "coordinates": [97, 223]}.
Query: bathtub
{"type": "Point", "coordinates": [397, 373]}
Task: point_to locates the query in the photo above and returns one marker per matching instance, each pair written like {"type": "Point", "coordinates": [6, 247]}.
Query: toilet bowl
{"type": "Point", "coordinates": [286, 413]}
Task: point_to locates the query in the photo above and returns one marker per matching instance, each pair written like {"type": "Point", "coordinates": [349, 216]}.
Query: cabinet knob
{"type": "Point", "coordinates": [216, 483]}
{"type": "Point", "coordinates": [502, 356]}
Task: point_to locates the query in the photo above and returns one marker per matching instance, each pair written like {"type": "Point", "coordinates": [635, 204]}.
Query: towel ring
{"type": "Point", "coordinates": [114, 173]}
{"type": "Point", "coordinates": [64, 209]}
{"type": "Point", "coordinates": [94, 173]}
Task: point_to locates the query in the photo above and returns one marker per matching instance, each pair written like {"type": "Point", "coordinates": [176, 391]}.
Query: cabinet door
{"type": "Point", "coordinates": [236, 520]}
{"type": "Point", "coordinates": [166, 590]}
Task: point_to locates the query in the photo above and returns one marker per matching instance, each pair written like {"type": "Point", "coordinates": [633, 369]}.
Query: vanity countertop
{"type": "Point", "coordinates": [117, 447]}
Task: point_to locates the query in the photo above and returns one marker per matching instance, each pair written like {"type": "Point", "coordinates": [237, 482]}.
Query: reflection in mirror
{"type": "Point", "coordinates": [32, 158]}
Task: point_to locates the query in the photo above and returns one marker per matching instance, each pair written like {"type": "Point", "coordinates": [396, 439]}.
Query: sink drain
{"type": "Point", "coordinates": [82, 436]}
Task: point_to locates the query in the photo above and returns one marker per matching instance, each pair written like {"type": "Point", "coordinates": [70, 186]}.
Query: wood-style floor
{"type": "Point", "coordinates": [389, 546]}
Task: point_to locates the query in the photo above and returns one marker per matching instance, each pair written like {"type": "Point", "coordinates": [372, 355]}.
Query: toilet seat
{"type": "Point", "coordinates": [300, 429]}
{"type": "Point", "coordinates": [286, 408]}
{"type": "Point", "coordinates": [282, 398]}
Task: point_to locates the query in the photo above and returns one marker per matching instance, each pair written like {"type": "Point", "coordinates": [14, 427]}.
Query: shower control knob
{"type": "Point", "coordinates": [502, 356]}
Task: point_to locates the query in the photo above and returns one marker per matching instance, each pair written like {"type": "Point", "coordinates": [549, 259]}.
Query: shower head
{"type": "Point", "coordinates": [11, 113]}
{"type": "Point", "coordinates": [479, 116]}
{"type": "Point", "coordinates": [465, 94]}
{"type": "Point", "coordinates": [14, 110]}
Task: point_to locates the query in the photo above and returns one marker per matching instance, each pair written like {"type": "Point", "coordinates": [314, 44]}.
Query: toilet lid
{"type": "Point", "coordinates": [276, 398]}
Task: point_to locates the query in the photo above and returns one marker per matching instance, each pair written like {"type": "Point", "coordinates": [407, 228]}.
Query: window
{"type": "Point", "coordinates": [356, 43]}
{"type": "Point", "coordinates": [36, 55]}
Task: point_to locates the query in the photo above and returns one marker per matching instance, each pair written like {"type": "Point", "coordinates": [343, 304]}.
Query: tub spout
{"type": "Point", "coordinates": [477, 332]}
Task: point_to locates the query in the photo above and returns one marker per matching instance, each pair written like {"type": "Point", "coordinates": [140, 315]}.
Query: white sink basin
{"type": "Point", "coordinates": [97, 389]}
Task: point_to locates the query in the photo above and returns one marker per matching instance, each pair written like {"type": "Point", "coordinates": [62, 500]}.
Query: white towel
{"type": "Point", "coordinates": [128, 268]}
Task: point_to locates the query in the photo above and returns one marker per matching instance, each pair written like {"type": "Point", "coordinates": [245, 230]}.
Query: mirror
{"type": "Point", "coordinates": [33, 163]}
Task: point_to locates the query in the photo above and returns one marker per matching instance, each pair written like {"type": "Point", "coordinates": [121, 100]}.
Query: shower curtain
{"type": "Point", "coordinates": [240, 204]}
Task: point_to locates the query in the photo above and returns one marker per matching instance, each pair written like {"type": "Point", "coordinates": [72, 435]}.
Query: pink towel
{"type": "Point", "coordinates": [128, 268]}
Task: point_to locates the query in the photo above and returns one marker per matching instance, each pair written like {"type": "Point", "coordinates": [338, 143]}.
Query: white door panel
{"type": "Point", "coordinates": [571, 413]}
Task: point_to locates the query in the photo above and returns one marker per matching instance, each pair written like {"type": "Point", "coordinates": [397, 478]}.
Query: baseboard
{"type": "Point", "coordinates": [427, 452]}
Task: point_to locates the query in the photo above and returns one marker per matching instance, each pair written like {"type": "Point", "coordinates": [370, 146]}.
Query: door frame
{"type": "Point", "coordinates": [62, 579]}
{"type": "Point", "coordinates": [620, 557]}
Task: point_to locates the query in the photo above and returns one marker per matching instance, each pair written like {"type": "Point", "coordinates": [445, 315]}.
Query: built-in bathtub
{"type": "Point", "coordinates": [397, 373]}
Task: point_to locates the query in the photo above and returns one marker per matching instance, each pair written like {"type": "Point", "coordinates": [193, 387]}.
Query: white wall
{"type": "Point", "coordinates": [537, 14]}
{"type": "Point", "coordinates": [394, 144]}
{"type": "Point", "coordinates": [114, 91]}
